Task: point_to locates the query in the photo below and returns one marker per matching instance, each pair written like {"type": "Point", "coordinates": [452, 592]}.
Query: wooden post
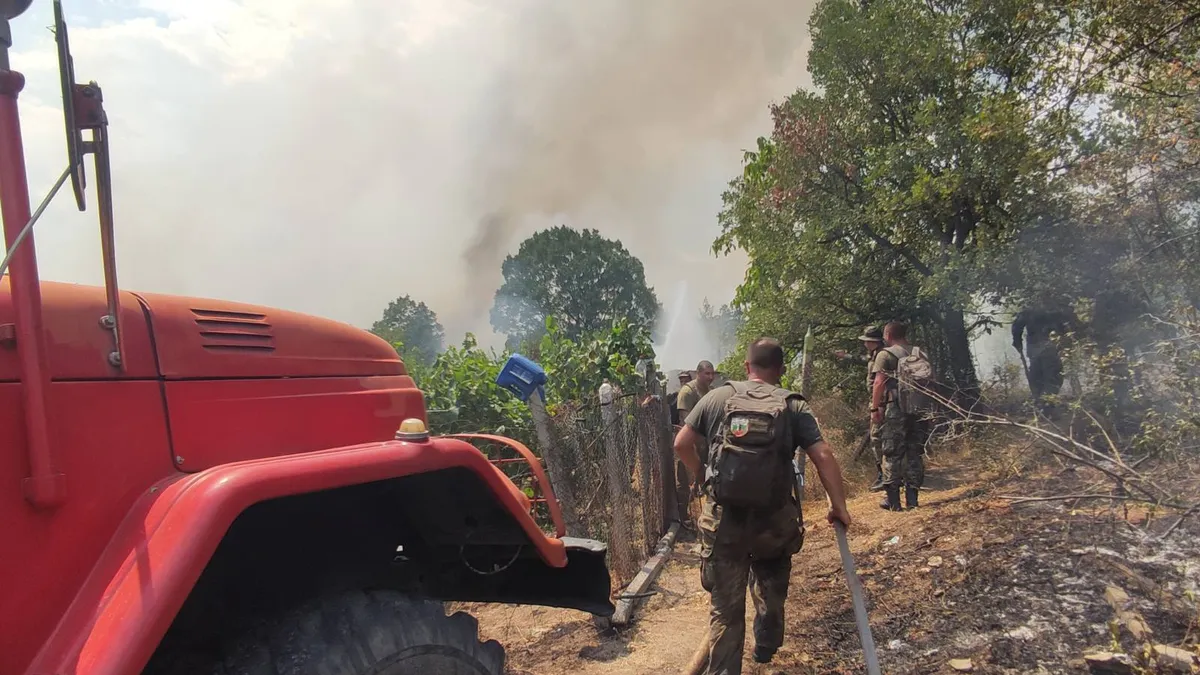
{"type": "Point", "coordinates": [666, 445]}
{"type": "Point", "coordinates": [648, 440]}
{"type": "Point", "coordinates": [560, 479]}
{"type": "Point", "coordinates": [617, 475]}
{"type": "Point", "coordinates": [806, 368]}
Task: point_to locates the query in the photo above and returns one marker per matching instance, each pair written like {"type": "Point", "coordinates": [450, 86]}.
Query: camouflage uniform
{"type": "Point", "coordinates": [689, 396]}
{"type": "Point", "coordinates": [876, 445]}
{"type": "Point", "coordinates": [743, 548]}
{"type": "Point", "coordinates": [902, 444]}
{"type": "Point", "coordinates": [902, 437]}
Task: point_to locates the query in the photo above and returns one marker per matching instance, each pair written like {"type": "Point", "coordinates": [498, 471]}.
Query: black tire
{"type": "Point", "coordinates": [357, 633]}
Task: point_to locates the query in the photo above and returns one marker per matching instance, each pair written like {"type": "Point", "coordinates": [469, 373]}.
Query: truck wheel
{"type": "Point", "coordinates": [357, 633]}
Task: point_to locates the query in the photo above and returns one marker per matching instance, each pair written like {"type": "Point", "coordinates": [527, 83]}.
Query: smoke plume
{"type": "Point", "coordinates": [328, 156]}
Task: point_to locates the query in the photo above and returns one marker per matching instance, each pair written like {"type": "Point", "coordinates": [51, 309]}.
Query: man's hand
{"type": "Point", "coordinates": [685, 450]}
{"type": "Point", "coordinates": [839, 515]}
{"type": "Point", "coordinates": [830, 474]}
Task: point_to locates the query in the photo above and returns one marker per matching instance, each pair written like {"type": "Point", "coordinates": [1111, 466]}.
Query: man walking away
{"type": "Point", "coordinates": [689, 395]}
{"type": "Point", "coordinates": [899, 408]}
{"type": "Point", "coordinates": [750, 524]}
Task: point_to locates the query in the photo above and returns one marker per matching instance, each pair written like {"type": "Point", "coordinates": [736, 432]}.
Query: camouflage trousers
{"type": "Point", "coordinates": [741, 549]}
{"type": "Point", "coordinates": [683, 483]}
{"type": "Point", "coordinates": [902, 445]}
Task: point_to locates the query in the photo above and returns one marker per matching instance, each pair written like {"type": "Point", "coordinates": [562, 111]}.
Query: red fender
{"type": "Point", "coordinates": [144, 575]}
{"type": "Point", "coordinates": [539, 474]}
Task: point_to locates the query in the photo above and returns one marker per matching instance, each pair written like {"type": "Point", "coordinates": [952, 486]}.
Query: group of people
{"type": "Point", "coordinates": [742, 446]}
{"type": "Point", "coordinates": [899, 429]}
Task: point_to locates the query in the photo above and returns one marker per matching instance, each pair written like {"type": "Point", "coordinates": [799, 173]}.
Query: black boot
{"type": "Point", "coordinates": [891, 502]}
{"type": "Point", "coordinates": [763, 654]}
{"type": "Point", "coordinates": [910, 497]}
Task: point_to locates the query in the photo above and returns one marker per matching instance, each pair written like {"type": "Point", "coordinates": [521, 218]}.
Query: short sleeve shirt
{"type": "Point", "coordinates": [872, 367]}
{"type": "Point", "coordinates": [706, 418]}
{"type": "Point", "coordinates": [689, 396]}
{"type": "Point", "coordinates": [886, 362]}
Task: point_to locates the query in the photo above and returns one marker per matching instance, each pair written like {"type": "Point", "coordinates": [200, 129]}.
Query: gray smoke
{"type": "Point", "coordinates": [606, 106]}
{"type": "Point", "coordinates": [331, 160]}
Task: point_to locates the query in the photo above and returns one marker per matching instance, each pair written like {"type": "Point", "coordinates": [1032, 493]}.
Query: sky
{"type": "Point", "coordinates": [327, 156]}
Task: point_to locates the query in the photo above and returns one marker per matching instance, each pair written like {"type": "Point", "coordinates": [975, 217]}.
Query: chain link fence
{"type": "Point", "coordinates": [614, 455]}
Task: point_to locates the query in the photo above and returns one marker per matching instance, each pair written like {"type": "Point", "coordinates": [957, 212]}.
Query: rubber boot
{"type": "Point", "coordinates": [763, 654]}
{"type": "Point", "coordinates": [910, 497]}
{"type": "Point", "coordinates": [891, 502]}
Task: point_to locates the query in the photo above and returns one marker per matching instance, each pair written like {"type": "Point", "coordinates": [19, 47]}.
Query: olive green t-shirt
{"type": "Point", "coordinates": [706, 418]}
{"type": "Point", "coordinates": [689, 396]}
{"type": "Point", "coordinates": [886, 362]}
{"type": "Point", "coordinates": [871, 369]}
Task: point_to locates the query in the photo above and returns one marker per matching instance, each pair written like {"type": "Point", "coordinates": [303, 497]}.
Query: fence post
{"type": "Point", "coordinates": [560, 480]}
{"type": "Point", "coordinates": [617, 476]}
{"type": "Point", "coordinates": [648, 439]}
{"type": "Point", "coordinates": [806, 367]}
{"type": "Point", "coordinates": [666, 448]}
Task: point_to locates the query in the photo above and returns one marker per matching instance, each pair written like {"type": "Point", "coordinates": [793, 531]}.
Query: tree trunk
{"type": "Point", "coordinates": [960, 371]}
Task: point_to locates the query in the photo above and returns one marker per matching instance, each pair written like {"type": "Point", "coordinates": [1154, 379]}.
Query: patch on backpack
{"type": "Point", "coordinates": [739, 426]}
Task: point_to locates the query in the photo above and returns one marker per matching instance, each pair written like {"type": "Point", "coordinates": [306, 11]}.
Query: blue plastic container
{"type": "Point", "coordinates": [522, 377]}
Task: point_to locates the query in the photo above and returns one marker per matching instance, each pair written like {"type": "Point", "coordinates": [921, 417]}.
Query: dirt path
{"type": "Point", "coordinates": [964, 576]}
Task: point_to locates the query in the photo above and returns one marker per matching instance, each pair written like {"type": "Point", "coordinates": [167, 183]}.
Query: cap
{"type": "Point", "coordinates": [872, 334]}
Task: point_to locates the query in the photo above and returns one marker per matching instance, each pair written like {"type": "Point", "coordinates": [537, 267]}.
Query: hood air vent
{"type": "Point", "coordinates": [223, 330]}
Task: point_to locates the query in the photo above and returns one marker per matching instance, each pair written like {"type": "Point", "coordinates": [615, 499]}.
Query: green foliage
{"type": "Point", "coordinates": [891, 193]}
{"type": "Point", "coordinates": [461, 394]}
{"type": "Point", "coordinates": [414, 326]}
{"type": "Point", "coordinates": [576, 368]}
{"type": "Point", "coordinates": [460, 388]}
{"type": "Point", "coordinates": [583, 280]}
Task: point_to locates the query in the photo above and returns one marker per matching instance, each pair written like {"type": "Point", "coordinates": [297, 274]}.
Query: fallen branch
{"type": "Point", "coordinates": [1151, 589]}
{"type": "Point", "coordinates": [1179, 521]}
{"type": "Point", "coordinates": [1127, 616]}
{"type": "Point", "coordinates": [1114, 467]}
{"type": "Point", "coordinates": [1066, 498]}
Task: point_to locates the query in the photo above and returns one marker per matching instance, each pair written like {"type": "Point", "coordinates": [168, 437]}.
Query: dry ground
{"type": "Point", "coordinates": [1015, 589]}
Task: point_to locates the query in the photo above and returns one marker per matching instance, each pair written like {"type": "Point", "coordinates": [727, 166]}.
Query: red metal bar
{"type": "Point", "coordinates": [539, 475]}
{"type": "Point", "coordinates": [45, 487]}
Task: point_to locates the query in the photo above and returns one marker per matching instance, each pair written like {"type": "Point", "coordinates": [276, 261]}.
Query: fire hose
{"type": "Point", "coordinates": [856, 593]}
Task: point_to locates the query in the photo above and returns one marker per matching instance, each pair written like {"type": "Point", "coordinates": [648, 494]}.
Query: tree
{"type": "Point", "coordinates": [462, 396]}
{"type": "Point", "coordinates": [898, 188]}
{"type": "Point", "coordinates": [584, 281]}
{"type": "Point", "coordinates": [721, 325]}
{"type": "Point", "coordinates": [413, 327]}
{"type": "Point", "coordinates": [575, 368]}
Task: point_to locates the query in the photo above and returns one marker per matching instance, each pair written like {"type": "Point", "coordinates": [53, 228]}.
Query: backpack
{"type": "Point", "coordinates": [750, 462]}
{"type": "Point", "coordinates": [914, 377]}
